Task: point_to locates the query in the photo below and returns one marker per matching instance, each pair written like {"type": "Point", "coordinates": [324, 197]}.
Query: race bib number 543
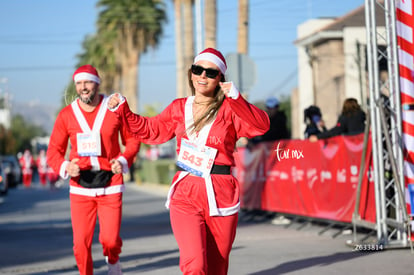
{"type": "Point", "coordinates": [198, 160]}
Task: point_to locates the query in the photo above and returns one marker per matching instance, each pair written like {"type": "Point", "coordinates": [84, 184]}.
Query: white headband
{"type": "Point", "coordinates": [86, 76]}
{"type": "Point", "coordinates": [212, 58]}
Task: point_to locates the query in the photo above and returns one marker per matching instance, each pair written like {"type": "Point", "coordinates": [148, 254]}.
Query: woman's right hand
{"type": "Point", "coordinates": [114, 101]}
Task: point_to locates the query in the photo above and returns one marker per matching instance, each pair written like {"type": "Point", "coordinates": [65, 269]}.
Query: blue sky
{"type": "Point", "coordinates": [40, 39]}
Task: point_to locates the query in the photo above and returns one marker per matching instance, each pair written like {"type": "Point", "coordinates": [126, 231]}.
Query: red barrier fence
{"type": "Point", "coordinates": [312, 179]}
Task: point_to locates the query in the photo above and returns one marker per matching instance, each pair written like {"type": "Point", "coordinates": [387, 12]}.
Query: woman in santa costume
{"type": "Point", "coordinates": [27, 163]}
{"type": "Point", "coordinates": [204, 196]}
{"type": "Point", "coordinates": [95, 168]}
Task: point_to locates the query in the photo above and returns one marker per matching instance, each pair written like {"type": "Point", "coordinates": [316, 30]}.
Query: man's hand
{"type": "Point", "coordinates": [73, 168]}
{"type": "Point", "coordinates": [116, 166]}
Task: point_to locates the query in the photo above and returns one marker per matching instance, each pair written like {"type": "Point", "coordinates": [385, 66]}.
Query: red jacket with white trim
{"type": "Point", "coordinates": [67, 127]}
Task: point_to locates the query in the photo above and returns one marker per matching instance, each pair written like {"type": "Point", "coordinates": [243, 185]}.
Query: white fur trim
{"type": "Point", "coordinates": [124, 164]}
{"type": "Point", "coordinates": [94, 192]}
{"type": "Point", "coordinates": [86, 76]}
{"type": "Point", "coordinates": [212, 58]}
{"type": "Point", "coordinates": [62, 171]}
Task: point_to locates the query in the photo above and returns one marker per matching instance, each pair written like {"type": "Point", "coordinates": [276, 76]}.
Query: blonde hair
{"type": "Point", "coordinates": [213, 107]}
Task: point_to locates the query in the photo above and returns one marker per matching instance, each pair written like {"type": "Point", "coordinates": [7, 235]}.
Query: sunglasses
{"type": "Point", "coordinates": [210, 73]}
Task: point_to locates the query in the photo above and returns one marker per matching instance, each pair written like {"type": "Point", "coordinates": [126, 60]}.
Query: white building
{"type": "Point", "coordinates": [331, 66]}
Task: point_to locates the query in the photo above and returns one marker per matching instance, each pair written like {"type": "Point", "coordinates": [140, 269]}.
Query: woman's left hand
{"type": "Point", "coordinates": [226, 86]}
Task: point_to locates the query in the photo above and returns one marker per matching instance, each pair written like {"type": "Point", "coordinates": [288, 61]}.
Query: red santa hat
{"type": "Point", "coordinates": [213, 56]}
{"type": "Point", "coordinates": [86, 72]}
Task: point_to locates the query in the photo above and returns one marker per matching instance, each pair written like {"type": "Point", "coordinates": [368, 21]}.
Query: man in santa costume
{"type": "Point", "coordinates": [204, 196]}
{"type": "Point", "coordinates": [95, 168]}
{"type": "Point", "coordinates": [27, 163]}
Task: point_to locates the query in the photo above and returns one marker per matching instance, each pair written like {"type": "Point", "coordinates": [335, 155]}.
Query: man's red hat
{"type": "Point", "coordinates": [86, 72]}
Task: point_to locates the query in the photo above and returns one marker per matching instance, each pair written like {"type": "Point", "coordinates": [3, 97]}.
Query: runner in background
{"type": "Point", "coordinates": [27, 164]}
{"type": "Point", "coordinates": [42, 167]}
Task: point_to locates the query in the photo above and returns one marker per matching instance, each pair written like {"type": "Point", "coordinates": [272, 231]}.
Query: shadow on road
{"type": "Point", "coordinates": [310, 262]}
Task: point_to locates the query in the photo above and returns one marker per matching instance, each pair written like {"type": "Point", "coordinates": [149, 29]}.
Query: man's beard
{"type": "Point", "coordinates": [88, 99]}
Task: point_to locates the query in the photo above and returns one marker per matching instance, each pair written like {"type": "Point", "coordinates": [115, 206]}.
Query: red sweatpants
{"type": "Point", "coordinates": [27, 179]}
{"type": "Point", "coordinates": [204, 241]}
{"type": "Point", "coordinates": [43, 178]}
{"type": "Point", "coordinates": [84, 211]}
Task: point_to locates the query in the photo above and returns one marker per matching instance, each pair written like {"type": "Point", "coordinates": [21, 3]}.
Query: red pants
{"type": "Point", "coordinates": [204, 241]}
{"type": "Point", "coordinates": [84, 211]}
{"type": "Point", "coordinates": [43, 178]}
{"type": "Point", "coordinates": [27, 179]}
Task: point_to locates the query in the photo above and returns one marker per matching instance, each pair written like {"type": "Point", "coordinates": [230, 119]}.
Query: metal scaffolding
{"type": "Point", "coordinates": [392, 221]}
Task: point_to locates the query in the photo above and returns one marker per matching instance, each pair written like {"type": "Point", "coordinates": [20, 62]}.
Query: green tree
{"type": "Point", "coordinates": [138, 27]}
{"type": "Point", "coordinates": [23, 133]}
{"type": "Point", "coordinates": [19, 136]}
{"type": "Point", "coordinates": [99, 51]}
{"type": "Point", "coordinates": [7, 142]}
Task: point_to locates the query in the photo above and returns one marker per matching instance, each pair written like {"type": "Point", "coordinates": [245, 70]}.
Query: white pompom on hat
{"type": "Point", "coordinates": [213, 56]}
{"type": "Point", "coordinates": [86, 72]}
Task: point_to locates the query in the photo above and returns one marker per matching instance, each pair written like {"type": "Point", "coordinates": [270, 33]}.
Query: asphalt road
{"type": "Point", "coordinates": [36, 238]}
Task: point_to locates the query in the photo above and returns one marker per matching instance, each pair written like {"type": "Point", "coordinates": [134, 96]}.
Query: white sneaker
{"type": "Point", "coordinates": [281, 220]}
{"type": "Point", "coordinates": [114, 269]}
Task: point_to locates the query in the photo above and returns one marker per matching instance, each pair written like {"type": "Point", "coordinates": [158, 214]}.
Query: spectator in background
{"type": "Point", "coordinates": [27, 163]}
{"type": "Point", "coordinates": [313, 120]}
{"type": "Point", "coordinates": [278, 130]}
{"type": "Point", "coordinates": [351, 121]}
{"type": "Point", "coordinates": [278, 122]}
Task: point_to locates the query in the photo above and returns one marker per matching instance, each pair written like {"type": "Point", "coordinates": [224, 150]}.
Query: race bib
{"type": "Point", "coordinates": [89, 144]}
{"type": "Point", "coordinates": [198, 160]}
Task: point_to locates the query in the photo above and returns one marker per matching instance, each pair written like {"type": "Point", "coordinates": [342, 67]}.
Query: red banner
{"type": "Point", "coordinates": [313, 179]}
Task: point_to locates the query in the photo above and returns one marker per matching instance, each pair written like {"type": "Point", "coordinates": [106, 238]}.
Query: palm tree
{"type": "Point", "coordinates": [180, 68]}
{"type": "Point", "coordinates": [138, 27]}
{"type": "Point", "coordinates": [210, 23]}
{"type": "Point", "coordinates": [242, 41]}
{"type": "Point", "coordinates": [188, 39]}
{"type": "Point", "coordinates": [99, 53]}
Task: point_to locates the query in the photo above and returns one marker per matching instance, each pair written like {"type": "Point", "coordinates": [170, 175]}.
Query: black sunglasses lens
{"type": "Point", "coordinates": [198, 70]}
{"type": "Point", "coordinates": [211, 73]}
